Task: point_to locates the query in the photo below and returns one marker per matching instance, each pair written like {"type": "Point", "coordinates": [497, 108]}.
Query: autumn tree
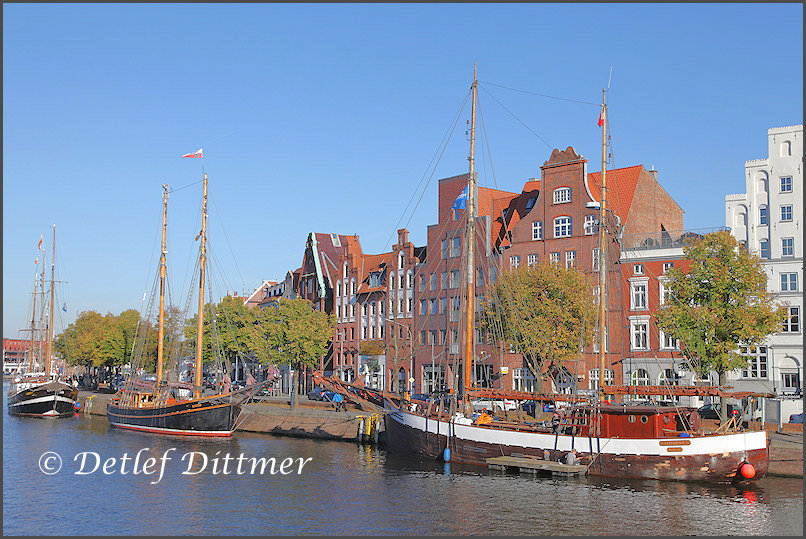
{"type": "Point", "coordinates": [546, 311]}
{"type": "Point", "coordinates": [292, 332]}
{"type": "Point", "coordinates": [720, 304]}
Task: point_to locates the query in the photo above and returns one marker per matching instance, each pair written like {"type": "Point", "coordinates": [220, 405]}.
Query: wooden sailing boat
{"type": "Point", "coordinates": [40, 393]}
{"type": "Point", "coordinates": [172, 407]}
{"type": "Point", "coordinates": [609, 440]}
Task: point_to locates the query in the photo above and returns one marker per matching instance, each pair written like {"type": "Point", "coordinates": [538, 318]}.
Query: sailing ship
{"type": "Point", "coordinates": [171, 406]}
{"type": "Point", "coordinates": [41, 393]}
{"type": "Point", "coordinates": [617, 440]}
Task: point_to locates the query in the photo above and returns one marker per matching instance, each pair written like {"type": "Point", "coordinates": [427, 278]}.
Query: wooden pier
{"type": "Point", "coordinates": [534, 466]}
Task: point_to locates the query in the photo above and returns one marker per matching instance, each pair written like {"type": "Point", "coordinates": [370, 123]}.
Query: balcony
{"type": "Point", "coordinates": [664, 240]}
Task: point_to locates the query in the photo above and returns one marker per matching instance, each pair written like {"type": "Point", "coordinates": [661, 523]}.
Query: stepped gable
{"type": "Point", "coordinates": [564, 156]}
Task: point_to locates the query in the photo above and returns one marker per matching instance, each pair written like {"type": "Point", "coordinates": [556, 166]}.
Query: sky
{"type": "Point", "coordinates": [333, 117]}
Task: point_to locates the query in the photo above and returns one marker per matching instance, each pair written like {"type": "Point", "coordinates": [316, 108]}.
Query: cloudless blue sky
{"type": "Point", "coordinates": [326, 117]}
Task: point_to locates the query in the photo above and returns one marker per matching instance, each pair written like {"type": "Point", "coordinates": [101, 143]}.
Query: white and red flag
{"type": "Point", "coordinates": [601, 118]}
{"type": "Point", "coordinates": [196, 154]}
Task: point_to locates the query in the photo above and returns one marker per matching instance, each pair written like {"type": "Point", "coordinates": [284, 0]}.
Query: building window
{"type": "Point", "coordinates": [562, 227]}
{"type": "Point", "coordinates": [790, 382]}
{"type": "Point", "coordinates": [402, 304]}
{"type": "Point", "coordinates": [765, 249]}
{"type": "Point", "coordinates": [590, 225]}
{"type": "Point", "coordinates": [596, 339]}
{"type": "Point", "coordinates": [442, 334]}
{"type": "Point", "coordinates": [667, 342]}
{"type": "Point", "coordinates": [409, 280]}
{"type": "Point", "coordinates": [639, 377]}
{"type": "Point", "coordinates": [792, 320]}
{"type": "Point", "coordinates": [789, 282]}
{"type": "Point", "coordinates": [756, 361]}
{"type": "Point", "coordinates": [364, 332]}
{"type": "Point", "coordinates": [537, 230]}
{"type": "Point", "coordinates": [593, 378]}
{"type": "Point", "coordinates": [444, 248]}
{"type": "Point", "coordinates": [455, 243]}
{"type": "Point", "coordinates": [638, 299]}
{"type": "Point", "coordinates": [532, 260]}
{"type": "Point", "coordinates": [595, 259]}
{"type": "Point", "coordinates": [444, 280]}
{"type": "Point", "coordinates": [455, 279]}
{"type": "Point", "coordinates": [787, 246]}
{"type": "Point", "coordinates": [638, 269]}
{"type": "Point", "coordinates": [456, 305]}
{"type": "Point", "coordinates": [663, 293]}
{"type": "Point", "coordinates": [433, 306]}
{"type": "Point", "coordinates": [639, 331]}
{"type": "Point", "coordinates": [570, 259]}
{"type": "Point", "coordinates": [667, 266]}
{"type": "Point", "coordinates": [786, 212]}
{"type": "Point", "coordinates": [530, 203]}
{"type": "Point", "coordinates": [423, 307]}
{"type": "Point", "coordinates": [433, 281]}
{"type": "Point", "coordinates": [786, 184]}
{"type": "Point", "coordinates": [346, 270]}
{"type": "Point", "coordinates": [554, 258]}
{"type": "Point", "coordinates": [562, 195]}
{"type": "Point", "coordinates": [763, 215]}
{"type": "Point", "coordinates": [523, 380]}
{"type": "Point", "coordinates": [514, 261]}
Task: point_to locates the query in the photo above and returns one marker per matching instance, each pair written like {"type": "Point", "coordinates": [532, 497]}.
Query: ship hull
{"type": "Point", "coordinates": [48, 399]}
{"type": "Point", "coordinates": [209, 417]}
{"type": "Point", "coordinates": [715, 458]}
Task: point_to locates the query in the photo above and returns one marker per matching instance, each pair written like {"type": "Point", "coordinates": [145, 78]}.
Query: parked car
{"type": "Point", "coordinates": [117, 383]}
{"type": "Point", "coordinates": [495, 404]}
{"type": "Point", "coordinates": [711, 411]}
{"type": "Point", "coordinates": [317, 394]}
{"type": "Point", "coordinates": [796, 418]}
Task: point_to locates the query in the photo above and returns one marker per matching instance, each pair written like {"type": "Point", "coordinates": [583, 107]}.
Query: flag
{"type": "Point", "coordinates": [39, 245]}
{"type": "Point", "coordinates": [461, 200]}
{"type": "Point", "coordinates": [36, 260]}
{"type": "Point", "coordinates": [64, 307]}
{"type": "Point", "coordinates": [601, 118]}
{"type": "Point", "coordinates": [197, 153]}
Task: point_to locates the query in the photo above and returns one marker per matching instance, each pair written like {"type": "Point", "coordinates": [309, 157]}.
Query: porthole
{"type": "Point", "coordinates": [666, 419]}
{"type": "Point", "coordinates": [631, 419]}
{"type": "Point", "coordinates": [644, 419]}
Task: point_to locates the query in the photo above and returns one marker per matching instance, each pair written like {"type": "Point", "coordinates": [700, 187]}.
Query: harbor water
{"type": "Point", "coordinates": [344, 489]}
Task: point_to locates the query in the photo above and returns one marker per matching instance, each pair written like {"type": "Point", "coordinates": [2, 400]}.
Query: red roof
{"type": "Point", "coordinates": [621, 184]}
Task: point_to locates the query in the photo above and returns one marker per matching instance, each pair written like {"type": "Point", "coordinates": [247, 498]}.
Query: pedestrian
{"type": "Point", "coordinates": [338, 400]}
{"type": "Point", "coordinates": [555, 422]}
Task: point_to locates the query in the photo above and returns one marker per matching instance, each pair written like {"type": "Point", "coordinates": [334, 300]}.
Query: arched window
{"type": "Point", "coordinates": [639, 377]}
{"type": "Point", "coordinates": [352, 286]}
{"type": "Point", "coordinates": [338, 288]}
{"type": "Point", "coordinates": [562, 195]}
{"type": "Point", "coordinates": [740, 216]}
{"type": "Point", "coordinates": [401, 260]}
{"type": "Point", "coordinates": [562, 227]}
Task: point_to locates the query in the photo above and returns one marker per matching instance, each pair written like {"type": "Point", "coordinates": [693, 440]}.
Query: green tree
{"type": "Point", "coordinates": [721, 303]}
{"type": "Point", "coordinates": [294, 333]}
{"type": "Point", "coordinates": [546, 311]}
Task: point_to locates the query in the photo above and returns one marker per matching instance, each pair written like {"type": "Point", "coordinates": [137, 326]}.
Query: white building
{"type": "Point", "coordinates": [768, 219]}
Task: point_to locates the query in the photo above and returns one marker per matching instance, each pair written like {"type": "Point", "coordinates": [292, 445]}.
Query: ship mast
{"type": "Point", "coordinates": [470, 242]}
{"type": "Point", "coordinates": [200, 318]}
{"type": "Point", "coordinates": [49, 347]}
{"type": "Point", "coordinates": [161, 325]}
{"type": "Point", "coordinates": [602, 253]}
{"type": "Point", "coordinates": [33, 326]}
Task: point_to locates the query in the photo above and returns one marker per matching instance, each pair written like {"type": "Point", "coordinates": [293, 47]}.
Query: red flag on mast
{"type": "Point", "coordinates": [196, 154]}
{"type": "Point", "coordinates": [601, 118]}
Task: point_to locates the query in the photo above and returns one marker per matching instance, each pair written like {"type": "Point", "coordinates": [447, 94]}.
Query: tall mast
{"type": "Point", "coordinates": [161, 329]}
{"type": "Point", "coordinates": [33, 326]}
{"type": "Point", "coordinates": [602, 253]}
{"type": "Point", "coordinates": [200, 317]}
{"type": "Point", "coordinates": [471, 242]}
{"type": "Point", "coordinates": [49, 347]}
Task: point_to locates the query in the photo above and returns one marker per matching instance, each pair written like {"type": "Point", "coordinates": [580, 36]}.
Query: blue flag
{"type": "Point", "coordinates": [461, 200]}
{"type": "Point", "coordinates": [64, 307]}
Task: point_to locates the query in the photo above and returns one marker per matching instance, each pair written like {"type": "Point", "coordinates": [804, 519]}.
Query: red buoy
{"type": "Point", "coordinates": [747, 470]}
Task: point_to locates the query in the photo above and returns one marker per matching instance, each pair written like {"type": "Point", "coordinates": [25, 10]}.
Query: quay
{"type": "Point", "coordinates": [314, 419]}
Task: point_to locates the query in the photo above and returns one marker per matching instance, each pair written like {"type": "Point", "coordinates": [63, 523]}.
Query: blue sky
{"type": "Point", "coordinates": [326, 117]}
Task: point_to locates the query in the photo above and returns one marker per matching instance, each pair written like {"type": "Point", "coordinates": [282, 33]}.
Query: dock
{"type": "Point", "coordinates": [534, 466]}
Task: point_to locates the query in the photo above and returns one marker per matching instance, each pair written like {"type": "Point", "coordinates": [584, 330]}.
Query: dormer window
{"type": "Point", "coordinates": [562, 195]}
{"type": "Point", "coordinates": [530, 203]}
{"type": "Point", "coordinates": [638, 269]}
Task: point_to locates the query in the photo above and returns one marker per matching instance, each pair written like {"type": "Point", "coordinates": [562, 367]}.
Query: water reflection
{"type": "Point", "coordinates": [348, 489]}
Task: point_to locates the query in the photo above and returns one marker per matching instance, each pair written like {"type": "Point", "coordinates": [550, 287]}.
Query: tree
{"type": "Point", "coordinates": [720, 304]}
{"type": "Point", "coordinates": [546, 311]}
{"type": "Point", "coordinates": [294, 333]}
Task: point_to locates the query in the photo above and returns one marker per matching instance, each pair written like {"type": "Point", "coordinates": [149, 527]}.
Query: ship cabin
{"type": "Point", "coordinates": [633, 421]}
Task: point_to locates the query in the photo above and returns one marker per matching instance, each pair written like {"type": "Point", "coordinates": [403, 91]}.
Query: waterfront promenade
{"type": "Point", "coordinates": [314, 419]}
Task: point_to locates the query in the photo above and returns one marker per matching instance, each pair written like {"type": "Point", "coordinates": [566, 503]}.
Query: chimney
{"type": "Point", "coordinates": [402, 236]}
{"type": "Point", "coordinates": [654, 173]}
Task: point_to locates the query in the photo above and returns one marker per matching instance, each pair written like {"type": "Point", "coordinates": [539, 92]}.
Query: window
{"type": "Point", "coordinates": [433, 306]}
{"type": "Point", "coordinates": [402, 280]}
{"type": "Point", "coordinates": [371, 332]}
{"type": "Point", "coordinates": [402, 305]}
{"type": "Point", "coordinates": [433, 336]}
{"type": "Point", "coordinates": [444, 280]}
{"type": "Point", "coordinates": [523, 380]}
{"type": "Point", "coordinates": [667, 342]}
{"type": "Point", "coordinates": [663, 293]}
{"type": "Point", "coordinates": [562, 195]}
{"type": "Point", "coordinates": [786, 184]}
{"type": "Point", "coordinates": [789, 282]}
{"type": "Point", "coordinates": [786, 212]}
{"type": "Point", "coordinates": [763, 215]}
{"type": "Point", "coordinates": [422, 283]}
{"type": "Point", "coordinates": [346, 270]}
{"type": "Point", "coordinates": [423, 337]}
{"type": "Point", "coordinates": [554, 258]}
{"type": "Point", "coordinates": [514, 261]}
{"type": "Point", "coordinates": [442, 334]}
{"type": "Point", "coordinates": [790, 382]}
{"type": "Point", "coordinates": [595, 259]}
{"type": "Point", "coordinates": [765, 248]}
{"type": "Point", "coordinates": [455, 246]}
{"type": "Point", "coordinates": [640, 335]}
{"type": "Point", "coordinates": [409, 280]}
{"type": "Point", "coordinates": [792, 320]}
{"type": "Point", "coordinates": [444, 248]}
{"type": "Point", "coordinates": [638, 299]}
{"type": "Point", "coordinates": [639, 377]}
{"type": "Point", "coordinates": [401, 260]}
{"type": "Point", "coordinates": [638, 269]}
{"type": "Point", "coordinates": [756, 361]}
{"type": "Point", "coordinates": [596, 340]}
{"type": "Point", "coordinates": [537, 230]}
{"type": "Point", "coordinates": [455, 279]}
{"type": "Point", "coordinates": [456, 305]}
{"type": "Point", "coordinates": [530, 203]}
{"type": "Point", "coordinates": [667, 377]}
{"type": "Point", "coordinates": [443, 304]}
{"type": "Point", "coordinates": [363, 332]}
{"type": "Point", "coordinates": [433, 281]}
{"type": "Point", "coordinates": [562, 227]}
{"type": "Point", "coordinates": [423, 307]}
{"type": "Point", "coordinates": [372, 309]}
{"type": "Point", "coordinates": [570, 259]}
{"type": "Point", "coordinates": [532, 259]}
{"type": "Point", "coordinates": [433, 378]}
{"type": "Point", "coordinates": [667, 266]}
{"type": "Point", "coordinates": [787, 246]}
{"type": "Point", "coordinates": [593, 378]}
{"type": "Point", "coordinates": [590, 225]}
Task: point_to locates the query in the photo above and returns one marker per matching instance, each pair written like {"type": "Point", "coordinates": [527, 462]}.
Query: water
{"type": "Point", "coordinates": [346, 489]}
